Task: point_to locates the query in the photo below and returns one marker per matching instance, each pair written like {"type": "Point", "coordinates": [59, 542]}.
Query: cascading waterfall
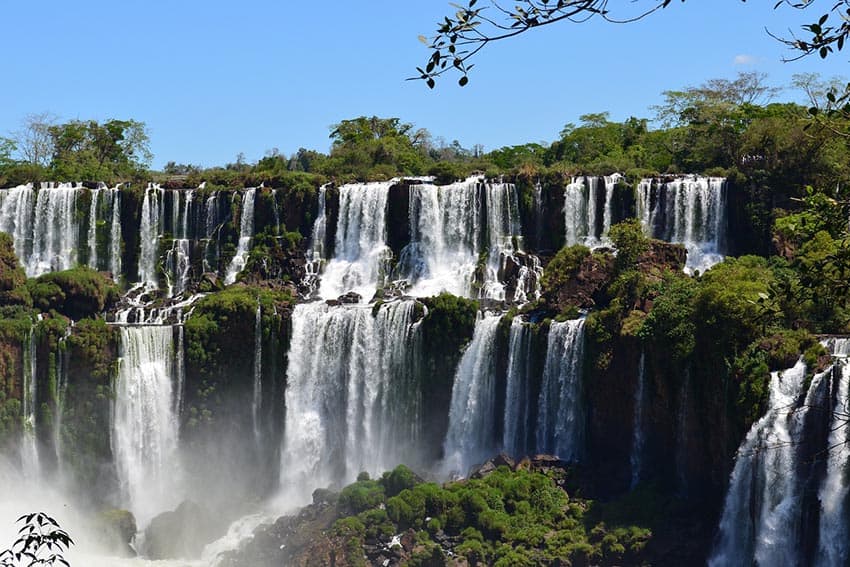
{"type": "Point", "coordinates": [92, 233]}
{"type": "Point", "coordinates": [149, 233]}
{"type": "Point", "coordinates": [43, 225]}
{"type": "Point", "coordinates": [834, 548]}
{"type": "Point", "coordinates": [583, 198]}
{"type": "Point", "coordinates": [115, 233]}
{"type": "Point", "coordinates": [257, 398]}
{"type": "Point", "coordinates": [246, 234]}
{"type": "Point", "coordinates": [62, 360]}
{"type": "Point", "coordinates": [211, 226]}
{"type": "Point", "coordinates": [517, 395]}
{"type": "Point", "coordinates": [316, 253]}
{"type": "Point", "coordinates": [638, 426]}
{"type": "Point", "coordinates": [177, 259]}
{"type": "Point", "coordinates": [761, 518]}
{"type": "Point", "coordinates": [450, 233]}
{"type": "Point", "coordinates": [471, 415]}
{"type": "Point", "coordinates": [144, 424]}
{"type": "Point", "coordinates": [361, 252]}
{"type": "Point", "coordinates": [352, 401]}
{"type": "Point", "coordinates": [690, 211]}
{"type": "Point", "coordinates": [30, 462]}
{"type": "Point", "coordinates": [560, 427]}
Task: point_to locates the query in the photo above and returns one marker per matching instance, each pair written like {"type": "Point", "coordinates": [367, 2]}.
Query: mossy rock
{"type": "Point", "coordinates": [77, 293]}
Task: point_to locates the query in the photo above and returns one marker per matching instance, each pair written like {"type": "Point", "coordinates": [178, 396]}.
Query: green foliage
{"type": "Point", "coordinates": [112, 150]}
{"type": "Point", "coordinates": [564, 266]}
{"type": "Point", "coordinates": [505, 518]}
{"type": "Point", "coordinates": [41, 542]}
{"type": "Point", "coordinates": [629, 240]}
{"type": "Point", "coordinates": [671, 324]}
{"type": "Point", "coordinates": [78, 293]}
{"type": "Point", "coordinates": [401, 478]}
{"type": "Point", "coordinates": [361, 496]}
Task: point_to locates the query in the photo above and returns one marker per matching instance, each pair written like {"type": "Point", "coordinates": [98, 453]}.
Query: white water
{"type": "Point", "coordinates": [351, 396]}
{"type": "Point", "coordinates": [765, 474]}
{"type": "Point", "coordinates": [583, 197]}
{"type": "Point", "coordinates": [361, 252]}
{"type": "Point", "coordinates": [43, 225]}
{"type": "Point", "coordinates": [560, 424]}
{"type": "Point", "coordinates": [450, 235]}
{"type": "Point", "coordinates": [638, 425]}
{"type": "Point", "coordinates": [115, 233]}
{"type": "Point", "coordinates": [517, 394]}
{"type": "Point", "coordinates": [144, 425]}
{"type": "Point", "coordinates": [92, 233]}
{"type": "Point", "coordinates": [690, 211]}
{"type": "Point", "coordinates": [30, 462]}
{"type": "Point", "coordinates": [834, 547]}
{"type": "Point", "coordinates": [177, 259]}
{"type": "Point", "coordinates": [246, 234]}
{"type": "Point", "coordinates": [257, 398]}
{"type": "Point", "coordinates": [471, 415]}
{"type": "Point", "coordinates": [149, 233]}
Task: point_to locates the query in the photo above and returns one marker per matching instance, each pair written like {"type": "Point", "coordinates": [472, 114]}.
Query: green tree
{"type": "Point", "coordinates": [115, 149]}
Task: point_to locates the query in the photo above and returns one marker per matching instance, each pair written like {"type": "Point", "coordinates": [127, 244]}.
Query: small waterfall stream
{"type": "Point", "coordinates": [246, 234]}
{"type": "Point", "coordinates": [30, 461]}
{"type": "Point", "coordinates": [560, 427]}
{"type": "Point", "coordinates": [639, 436]}
{"type": "Point", "coordinates": [472, 416]}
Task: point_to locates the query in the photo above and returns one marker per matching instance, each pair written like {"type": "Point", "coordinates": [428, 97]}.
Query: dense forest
{"type": "Point", "coordinates": [290, 329]}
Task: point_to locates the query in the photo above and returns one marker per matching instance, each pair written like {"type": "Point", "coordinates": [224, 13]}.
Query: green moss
{"type": "Point", "coordinates": [564, 266]}
{"type": "Point", "coordinates": [77, 293]}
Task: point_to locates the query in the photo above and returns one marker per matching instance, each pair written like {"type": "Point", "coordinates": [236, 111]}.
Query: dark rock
{"type": "Point", "coordinates": [117, 528]}
{"type": "Point", "coordinates": [350, 298]}
{"type": "Point", "coordinates": [182, 533]}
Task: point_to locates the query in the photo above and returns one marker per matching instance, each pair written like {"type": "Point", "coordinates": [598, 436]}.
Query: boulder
{"type": "Point", "coordinates": [181, 533]}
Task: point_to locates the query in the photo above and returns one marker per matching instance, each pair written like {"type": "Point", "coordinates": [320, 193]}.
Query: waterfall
{"type": "Point", "coordinates": [62, 362]}
{"type": "Point", "coordinates": [833, 548]}
{"type": "Point", "coordinates": [43, 225]}
{"type": "Point", "coordinates": [352, 396]}
{"type": "Point", "coordinates": [471, 414]}
{"type": "Point", "coordinates": [638, 425]}
{"type": "Point", "coordinates": [30, 461]}
{"type": "Point", "coordinates": [761, 511]}
{"type": "Point", "coordinates": [517, 395]}
{"type": "Point", "coordinates": [454, 247]}
{"type": "Point", "coordinates": [560, 425]}
{"type": "Point", "coordinates": [689, 211]}
{"type": "Point", "coordinates": [246, 234]}
{"type": "Point", "coordinates": [359, 262]}
{"type": "Point", "coordinates": [316, 253]}
{"type": "Point", "coordinates": [144, 424]}
{"type": "Point", "coordinates": [257, 399]}
{"type": "Point", "coordinates": [180, 370]}
{"type": "Point", "coordinates": [177, 260]}
{"type": "Point", "coordinates": [115, 233]}
{"type": "Point", "coordinates": [92, 233]}
{"type": "Point", "coordinates": [178, 265]}
{"type": "Point", "coordinates": [149, 233]}
{"type": "Point", "coordinates": [582, 198]}
{"type": "Point", "coordinates": [211, 226]}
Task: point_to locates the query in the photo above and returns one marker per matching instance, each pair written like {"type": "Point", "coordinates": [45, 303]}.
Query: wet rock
{"type": "Point", "coordinates": [181, 533]}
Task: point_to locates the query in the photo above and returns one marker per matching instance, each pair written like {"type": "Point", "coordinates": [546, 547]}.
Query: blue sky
{"type": "Point", "coordinates": [212, 79]}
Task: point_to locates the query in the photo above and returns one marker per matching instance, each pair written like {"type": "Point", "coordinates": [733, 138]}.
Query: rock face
{"type": "Point", "coordinates": [180, 534]}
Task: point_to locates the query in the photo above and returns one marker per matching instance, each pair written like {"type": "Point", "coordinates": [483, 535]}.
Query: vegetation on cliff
{"type": "Point", "coordinates": [505, 515]}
